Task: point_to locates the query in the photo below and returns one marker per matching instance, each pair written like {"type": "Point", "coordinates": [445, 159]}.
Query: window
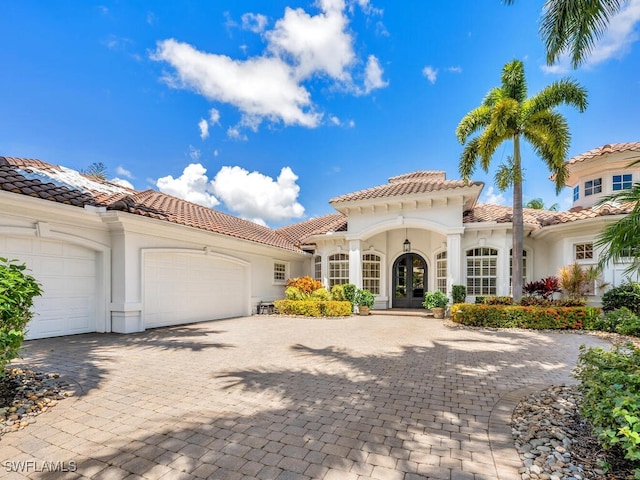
{"type": "Point", "coordinates": [338, 269]}
{"type": "Point", "coordinates": [317, 268]}
{"type": "Point", "coordinates": [592, 187]}
{"type": "Point", "coordinates": [482, 271]}
{"type": "Point", "coordinates": [279, 272]}
{"type": "Point", "coordinates": [524, 266]}
{"type": "Point", "coordinates": [441, 272]}
{"type": "Point", "coordinates": [622, 182]}
{"type": "Point", "coordinates": [576, 192]}
{"type": "Point", "coordinates": [371, 273]}
{"type": "Point", "coordinates": [583, 251]}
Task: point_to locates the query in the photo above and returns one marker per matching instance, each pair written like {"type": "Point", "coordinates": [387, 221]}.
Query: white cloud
{"type": "Point", "coordinates": [254, 22]}
{"type": "Point", "coordinates": [194, 153]}
{"type": "Point", "coordinates": [431, 73]}
{"type": "Point", "coordinates": [214, 116]}
{"type": "Point", "coordinates": [616, 41]}
{"type": "Point", "coordinates": [216, 153]}
{"type": "Point", "coordinates": [122, 182]}
{"type": "Point", "coordinates": [454, 69]}
{"type": "Point", "coordinates": [334, 120]}
{"type": "Point", "coordinates": [493, 197]}
{"type": "Point", "coordinates": [204, 128]}
{"type": "Point", "coordinates": [260, 87]}
{"type": "Point", "coordinates": [317, 44]}
{"type": "Point", "coordinates": [257, 197]}
{"type": "Point", "coordinates": [301, 47]}
{"type": "Point", "coordinates": [192, 185]}
{"type": "Point", "coordinates": [619, 36]}
{"type": "Point", "coordinates": [123, 172]}
{"type": "Point", "coordinates": [373, 75]}
{"type": "Point", "coordinates": [236, 134]}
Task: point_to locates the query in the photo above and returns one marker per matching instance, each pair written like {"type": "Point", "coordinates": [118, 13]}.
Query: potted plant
{"type": "Point", "coordinates": [364, 299]}
{"type": "Point", "coordinates": [436, 301]}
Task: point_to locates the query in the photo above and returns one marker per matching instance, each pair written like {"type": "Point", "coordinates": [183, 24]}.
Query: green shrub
{"type": "Point", "coordinates": [502, 316]}
{"type": "Point", "coordinates": [530, 301]}
{"type": "Point", "coordinates": [294, 293]}
{"type": "Point", "coordinates": [364, 298]}
{"type": "Point", "coordinates": [629, 323]}
{"type": "Point", "coordinates": [17, 291]}
{"type": "Point", "coordinates": [625, 295]}
{"type": "Point", "coordinates": [459, 293]}
{"type": "Point", "coordinates": [435, 299]}
{"type": "Point", "coordinates": [337, 293]}
{"type": "Point", "coordinates": [610, 383]}
{"type": "Point", "coordinates": [480, 299]}
{"type": "Point", "coordinates": [496, 300]}
{"type": "Point", "coordinates": [320, 294]}
{"type": "Point", "coordinates": [311, 308]}
{"type": "Point", "coordinates": [349, 290]}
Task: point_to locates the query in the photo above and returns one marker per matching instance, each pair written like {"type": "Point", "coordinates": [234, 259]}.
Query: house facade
{"type": "Point", "coordinates": [111, 259]}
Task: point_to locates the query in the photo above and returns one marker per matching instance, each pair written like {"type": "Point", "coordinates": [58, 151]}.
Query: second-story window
{"type": "Point", "coordinates": [576, 192]}
{"type": "Point", "coordinates": [592, 187]}
{"type": "Point", "coordinates": [622, 182]}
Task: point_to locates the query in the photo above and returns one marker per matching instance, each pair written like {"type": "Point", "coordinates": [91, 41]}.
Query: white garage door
{"type": "Point", "coordinates": [68, 277]}
{"type": "Point", "coordinates": [185, 288]}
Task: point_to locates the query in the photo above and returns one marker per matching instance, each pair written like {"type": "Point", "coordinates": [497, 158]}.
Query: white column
{"type": "Point", "coordinates": [454, 260]}
{"type": "Point", "coordinates": [355, 263]}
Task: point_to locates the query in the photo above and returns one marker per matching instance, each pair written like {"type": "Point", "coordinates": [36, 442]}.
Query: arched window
{"type": "Point", "coordinates": [338, 269]}
{"type": "Point", "coordinates": [441, 272]}
{"type": "Point", "coordinates": [482, 271]}
{"type": "Point", "coordinates": [317, 268]}
{"type": "Point", "coordinates": [371, 273]}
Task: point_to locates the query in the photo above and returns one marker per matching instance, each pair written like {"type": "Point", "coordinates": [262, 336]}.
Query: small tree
{"type": "Point", "coordinates": [17, 291]}
{"type": "Point", "coordinates": [577, 281]}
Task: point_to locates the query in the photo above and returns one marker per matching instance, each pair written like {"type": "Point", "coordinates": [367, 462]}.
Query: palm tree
{"type": "Point", "coordinates": [506, 114]}
{"type": "Point", "coordinates": [574, 26]}
{"type": "Point", "coordinates": [538, 204]}
{"type": "Point", "coordinates": [97, 170]}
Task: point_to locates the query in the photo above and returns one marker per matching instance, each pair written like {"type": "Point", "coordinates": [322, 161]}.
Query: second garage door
{"type": "Point", "coordinates": [184, 288]}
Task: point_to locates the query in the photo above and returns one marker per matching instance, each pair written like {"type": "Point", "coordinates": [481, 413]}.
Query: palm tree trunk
{"type": "Point", "coordinates": [518, 223]}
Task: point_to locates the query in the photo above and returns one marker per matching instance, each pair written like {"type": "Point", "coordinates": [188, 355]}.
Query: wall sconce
{"type": "Point", "coordinates": [406, 246]}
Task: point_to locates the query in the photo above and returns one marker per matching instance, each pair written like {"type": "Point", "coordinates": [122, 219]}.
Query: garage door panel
{"type": "Point", "coordinates": [67, 274]}
{"type": "Point", "coordinates": [185, 288]}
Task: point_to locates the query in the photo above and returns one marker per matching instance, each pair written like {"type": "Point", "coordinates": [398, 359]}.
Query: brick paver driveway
{"type": "Point", "coordinates": [383, 397]}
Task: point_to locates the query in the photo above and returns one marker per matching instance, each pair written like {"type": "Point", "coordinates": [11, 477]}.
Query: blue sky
{"type": "Point", "coordinates": [266, 110]}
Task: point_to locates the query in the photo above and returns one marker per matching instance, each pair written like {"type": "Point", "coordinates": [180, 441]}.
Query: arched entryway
{"type": "Point", "coordinates": [409, 281]}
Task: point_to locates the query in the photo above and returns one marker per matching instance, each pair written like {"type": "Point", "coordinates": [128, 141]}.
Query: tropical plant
{"type": "Point", "coordinates": [577, 281]}
{"type": "Point", "coordinates": [17, 291]}
{"type": "Point", "coordinates": [573, 27]}
{"type": "Point", "coordinates": [506, 114]}
{"type": "Point", "coordinates": [538, 204]}
{"type": "Point", "coordinates": [349, 291]}
{"type": "Point", "coordinates": [304, 284]}
{"type": "Point", "coordinates": [459, 293]}
{"type": "Point", "coordinates": [544, 288]}
{"type": "Point", "coordinates": [625, 295]}
{"type": "Point", "coordinates": [337, 293]}
{"type": "Point", "coordinates": [97, 170]}
{"type": "Point", "coordinates": [364, 298]}
{"type": "Point", "coordinates": [619, 240]}
{"type": "Point", "coordinates": [435, 299]}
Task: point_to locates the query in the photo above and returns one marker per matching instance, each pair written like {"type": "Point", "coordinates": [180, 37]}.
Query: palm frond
{"type": "Point", "coordinates": [474, 120]}
{"type": "Point", "coordinates": [514, 83]}
{"type": "Point", "coordinates": [469, 159]}
{"type": "Point", "coordinates": [563, 92]}
{"type": "Point", "coordinates": [575, 26]}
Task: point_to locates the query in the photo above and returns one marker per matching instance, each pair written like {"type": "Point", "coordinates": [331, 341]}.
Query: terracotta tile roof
{"type": "Point", "coordinates": [299, 232]}
{"type": "Point", "coordinates": [43, 180]}
{"type": "Point", "coordinates": [541, 218]}
{"type": "Point", "coordinates": [604, 150]}
{"type": "Point", "coordinates": [19, 175]}
{"type": "Point", "coordinates": [151, 203]}
{"type": "Point", "coordinates": [416, 182]}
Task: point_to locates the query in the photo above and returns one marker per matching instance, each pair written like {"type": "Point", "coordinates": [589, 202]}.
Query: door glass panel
{"type": "Point", "coordinates": [418, 278]}
{"type": "Point", "coordinates": [401, 275]}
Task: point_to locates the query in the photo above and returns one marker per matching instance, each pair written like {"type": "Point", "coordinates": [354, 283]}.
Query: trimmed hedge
{"type": "Point", "coordinates": [313, 308]}
{"type": "Point", "coordinates": [500, 316]}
